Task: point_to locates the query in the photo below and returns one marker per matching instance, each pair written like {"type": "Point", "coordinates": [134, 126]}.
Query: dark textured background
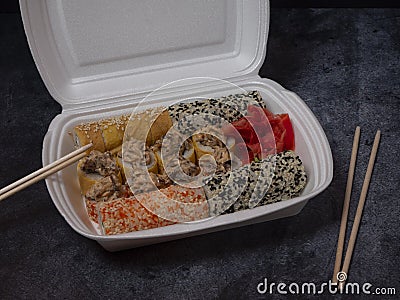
{"type": "Point", "coordinates": [344, 63]}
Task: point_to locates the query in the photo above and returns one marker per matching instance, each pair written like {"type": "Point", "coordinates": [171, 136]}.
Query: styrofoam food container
{"type": "Point", "coordinates": [99, 59]}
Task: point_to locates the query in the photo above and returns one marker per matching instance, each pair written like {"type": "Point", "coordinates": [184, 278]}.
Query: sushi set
{"type": "Point", "coordinates": [133, 191]}
{"type": "Point", "coordinates": [186, 138]}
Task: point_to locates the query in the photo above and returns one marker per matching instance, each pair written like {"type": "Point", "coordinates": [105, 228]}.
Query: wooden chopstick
{"type": "Point", "coordinates": [360, 207]}
{"type": "Point", "coordinates": [44, 172]}
{"type": "Point", "coordinates": [346, 204]}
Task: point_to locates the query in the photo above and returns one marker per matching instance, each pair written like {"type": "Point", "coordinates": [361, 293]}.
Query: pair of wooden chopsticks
{"type": "Point", "coordinates": [44, 172]}
{"type": "Point", "coordinates": [339, 252]}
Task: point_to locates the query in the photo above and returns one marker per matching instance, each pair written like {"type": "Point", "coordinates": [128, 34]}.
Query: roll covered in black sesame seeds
{"type": "Point", "coordinates": [229, 108]}
{"type": "Point", "coordinates": [276, 178]}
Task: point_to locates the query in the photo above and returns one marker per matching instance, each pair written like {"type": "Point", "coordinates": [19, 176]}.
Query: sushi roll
{"type": "Point", "coordinates": [217, 147]}
{"type": "Point", "coordinates": [149, 125]}
{"type": "Point", "coordinates": [112, 131]}
{"type": "Point", "coordinates": [229, 108]}
{"type": "Point", "coordinates": [176, 203]}
{"type": "Point", "coordinates": [276, 178]}
{"type": "Point", "coordinates": [225, 189]}
{"type": "Point", "coordinates": [177, 154]}
{"type": "Point", "coordinates": [87, 133]}
{"type": "Point", "coordinates": [208, 140]}
{"type": "Point", "coordinates": [118, 159]}
{"type": "Point", "coordinates": [107, 191]}
{"type": "Point", "coordinates": [139, 163]}
{"type": "Point", "coordinates": [289, 178]}
{"type": "Point", "coordinates": [240, 102]}
{"type": "Point", "coordinates": [93, 168]}
{"type": "Point", "coordinates": [105, 134]}
{"type": "Point", "coordinates": [124, 215]}
{"type": "Point", "coordinates": [127, 214]}
{"type": "Point", "coordinates": [136, 153]}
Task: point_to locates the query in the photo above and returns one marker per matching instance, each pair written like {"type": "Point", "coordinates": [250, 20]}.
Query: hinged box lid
{"type": "Point", "coordinates": [94, 51]}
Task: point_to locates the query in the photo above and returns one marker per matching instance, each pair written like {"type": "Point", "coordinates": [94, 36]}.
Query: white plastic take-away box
{"type": "Point", "coordinates": [100, 58]}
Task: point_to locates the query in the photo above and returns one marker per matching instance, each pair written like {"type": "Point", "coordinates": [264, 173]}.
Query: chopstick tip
{"type": "Point", "coordinates": [377, 137]}
{"type": "Point", "coordinates": [88, 146]}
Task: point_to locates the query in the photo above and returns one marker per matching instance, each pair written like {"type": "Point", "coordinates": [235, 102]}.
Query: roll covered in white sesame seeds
{"type": "Point", "coordinates": [149, 125]}
{"type": "Point", "coordinates": [105, 134]}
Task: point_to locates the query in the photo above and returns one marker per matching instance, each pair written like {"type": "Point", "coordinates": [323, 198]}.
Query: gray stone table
{"type": "Point", "coordinates": [344, 63]}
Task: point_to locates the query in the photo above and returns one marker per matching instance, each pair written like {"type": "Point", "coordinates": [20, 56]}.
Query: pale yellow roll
{"type": "Point", "coordinates": [199, 148]}
{"type": "Point", "coordinates": [153, 165]}
{"type": "Point", "coordinates": [160, 164]}
{"type": "Point", "coordinates": [190, 154]}
{"type": "Point", "coordinates": [87, 180]}
{"type": "Point", "coordinates": [118, 159]}
{"type": "Point", "coordinates": [149, 125]}
{"type": "Point", "coordinates": [87, 133]}
{"type": "Point", "coordinates": [113, 130]}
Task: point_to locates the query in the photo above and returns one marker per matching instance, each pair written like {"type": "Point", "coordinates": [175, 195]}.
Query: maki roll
{"type": "Point", "coordinates": [229, 108]}
{"type": "Point", "coordinates": [95, 168]}
{"type": "Point", "coordinates": [276, 178]}
{"type": "Point", "coordinates": [139, 162]}
{"type": "Point", "coordinates": [124, 215]}
{"type": "Point", "coordinates": [177, 154]}
{"type": "Point", "coordinates": [208, 140]}
{"type": "Point", "coordinates": [100, 180]}
{"type": "Point", "coordinates": [149, 125]}
{"type": "Point", "coordinates": [289, 178]}
{"type": "Point", "coordinates": [137, 154]}
{"type": "Point", "coordinates": [176, 203]}
{"type": "Point", "coordinates": [224, 189]}
{"type": "Point", "coordinates": [105, 134]}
